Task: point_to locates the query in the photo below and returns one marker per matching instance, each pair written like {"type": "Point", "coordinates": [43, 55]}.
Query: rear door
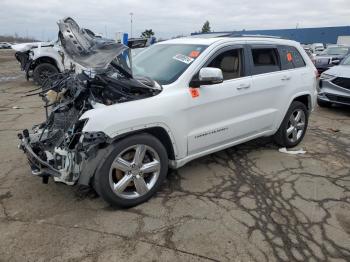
{"type": "Point", "coordinates": [270, 85]}
{"type": "Point", "coordinates": [294, 65]}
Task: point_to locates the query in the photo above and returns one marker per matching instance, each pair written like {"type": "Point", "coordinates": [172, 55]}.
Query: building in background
{"type": "Point", "coordinates": [325, 35]}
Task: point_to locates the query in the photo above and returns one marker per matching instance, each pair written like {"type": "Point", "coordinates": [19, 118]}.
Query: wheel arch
{"type": "Point", "coordinates": [304, 97]}
{"type": "Point", "coordinates": [163, 134]}
{"type": "Point", "coordinates": [94, 166]}
{"type": "Point", "coordinates": [45, 59]}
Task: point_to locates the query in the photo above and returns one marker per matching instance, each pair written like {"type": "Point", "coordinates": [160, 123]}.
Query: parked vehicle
{"type": "Point", "coordinates": [40, 60]}
{"type": "Point", "coordinates": [331, 56]}
{"type": "Point", "coordinates": [311, 55]}
{"type": "Point", "coordinates": [5, 45]}
{"type": "Point", "coordinates": [317, 48]}
{"type": "Point", "coordinates": [343, 40]}
{"type": "Point", "coordinates": [334, 85]}
{"type": "Point", "coordinates": [120, 129]}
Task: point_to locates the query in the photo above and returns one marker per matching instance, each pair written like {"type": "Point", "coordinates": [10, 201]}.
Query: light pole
{"type": "Point", "coordinates": [131, 14]}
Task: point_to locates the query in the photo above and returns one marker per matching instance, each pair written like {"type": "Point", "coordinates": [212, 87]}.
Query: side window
{"type": "Point", "coordinates": [230, 62]}
{"type": "Point", "coordinates": [291, 58]}
{"type": "Point", "coordinates": [265, 60]}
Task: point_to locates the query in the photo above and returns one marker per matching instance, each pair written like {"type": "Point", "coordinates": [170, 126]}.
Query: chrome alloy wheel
{"type": "Point", "coordinates": [134, 171]}
{"type": "Point", "coordinates": [296, 125]}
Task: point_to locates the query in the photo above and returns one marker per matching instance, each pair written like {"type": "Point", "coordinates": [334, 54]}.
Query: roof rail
{"type": "Point", "coordinates": [262, 36]}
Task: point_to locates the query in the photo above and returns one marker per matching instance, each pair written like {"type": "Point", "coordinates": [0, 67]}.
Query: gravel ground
{"type": "Point", "coordinates": [247, 203]}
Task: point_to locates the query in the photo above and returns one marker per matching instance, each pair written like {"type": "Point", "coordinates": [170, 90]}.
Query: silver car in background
{"type": "Point", "coordinates": [334, 85]}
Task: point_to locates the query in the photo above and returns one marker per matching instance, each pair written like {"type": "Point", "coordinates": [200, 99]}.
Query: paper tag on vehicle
{"type": "Point", "coordinates": [183, 58]}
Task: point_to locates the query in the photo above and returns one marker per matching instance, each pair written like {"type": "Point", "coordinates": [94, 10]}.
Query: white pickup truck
{"type": "Point", "coordinates": [41, 59]}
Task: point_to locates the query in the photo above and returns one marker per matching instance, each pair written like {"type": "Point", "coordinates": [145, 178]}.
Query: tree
{"type": "Point", "coordinates": [147, 33]}
{"type": "Point", "coordinates": [206, 27]}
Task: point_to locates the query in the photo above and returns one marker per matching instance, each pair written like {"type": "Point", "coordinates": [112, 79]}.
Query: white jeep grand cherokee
{"type": "Point", "coordinates": [216, 93]}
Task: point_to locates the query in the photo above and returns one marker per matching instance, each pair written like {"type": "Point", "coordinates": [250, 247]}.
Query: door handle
{"type": "Point", "coordinates": [285, 78]}
{"type": "Point", "coordinates": [243, 86]}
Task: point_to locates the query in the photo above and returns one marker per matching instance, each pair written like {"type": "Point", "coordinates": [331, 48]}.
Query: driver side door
{"type": "Point", "coordinates": [220, 114]}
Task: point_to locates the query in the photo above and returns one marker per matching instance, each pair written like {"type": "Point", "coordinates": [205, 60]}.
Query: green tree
{"type": "Point", "coordinates": [206, 27]}
{"type": "Point", "coordinates": [147, 33]}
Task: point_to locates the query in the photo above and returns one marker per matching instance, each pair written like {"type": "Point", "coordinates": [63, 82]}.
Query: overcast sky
{"type": "Point", "coordinates": [168, 18]}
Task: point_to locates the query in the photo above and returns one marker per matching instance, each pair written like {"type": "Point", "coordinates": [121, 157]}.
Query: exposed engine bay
{"type": "Point", "coordinates": [58, 147]}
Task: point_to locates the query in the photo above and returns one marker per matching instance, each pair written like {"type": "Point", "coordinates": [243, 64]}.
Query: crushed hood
{"type": "Point", "coordinates": [90, 51]}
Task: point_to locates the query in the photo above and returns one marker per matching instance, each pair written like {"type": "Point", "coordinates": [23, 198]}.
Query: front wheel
{"type": "Point", "coordinates": [293, 126]}
{"type": "Point", "coordinates": [133, 172]}
{"type": "Point", "coordinates": [42, 72]}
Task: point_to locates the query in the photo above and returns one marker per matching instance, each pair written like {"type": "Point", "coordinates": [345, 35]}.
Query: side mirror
{"type": "Point", "coordinates": [208, 76]}
{"type": "Point", "coordinates": [335, 62]}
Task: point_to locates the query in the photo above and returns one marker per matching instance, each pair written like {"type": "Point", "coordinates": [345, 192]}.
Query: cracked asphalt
{"type": "Point", "coordinates": [247, 203]}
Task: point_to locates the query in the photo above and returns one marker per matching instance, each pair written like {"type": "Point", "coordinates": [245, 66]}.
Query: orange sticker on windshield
{"type": "Point", "coordinates": [289, 57]}
{"type": "Point", "coordinates": [194, 92]}
{"type": "Point", "coordinates": [194, 54]}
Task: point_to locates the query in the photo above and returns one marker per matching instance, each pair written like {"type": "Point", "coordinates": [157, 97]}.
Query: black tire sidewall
{"type": "Point", "coordinates": [101, 179]}
{"type": "Point", "coordinates": [41, 67]}
{"type": "Point", "coordinates": [283, 128]}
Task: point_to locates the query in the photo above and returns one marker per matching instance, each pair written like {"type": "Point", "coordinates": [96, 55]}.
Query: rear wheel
{"type": "Point", "coordinates": [42, 72]}
{"type": "Point", "coordinates": [293, 126]}
{"type": "Point", "coordinates": [323, 103]}
{"type": "Point", "coordinates": [133, 172]}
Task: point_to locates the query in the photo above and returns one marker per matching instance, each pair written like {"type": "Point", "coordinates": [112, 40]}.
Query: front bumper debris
{"type": "Point", "coordinates": [82, 162]}
{"type": "Point", "coordinates": [39, 166]}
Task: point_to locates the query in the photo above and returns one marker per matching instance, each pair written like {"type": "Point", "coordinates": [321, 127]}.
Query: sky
{"type": "Point", "coordinates": [167, 18]}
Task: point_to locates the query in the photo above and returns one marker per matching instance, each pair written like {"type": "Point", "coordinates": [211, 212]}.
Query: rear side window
{"type": "Point", "coordinates": [291, 58]}
{"type": "Point", "coordinates": [265, 60]}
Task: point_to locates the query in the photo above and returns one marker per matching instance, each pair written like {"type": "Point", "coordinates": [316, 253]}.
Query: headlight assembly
{"type": "Point", "coordinates": [327, 76]}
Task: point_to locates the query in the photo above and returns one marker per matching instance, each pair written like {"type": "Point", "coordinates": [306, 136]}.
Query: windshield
{"type": "Point", "coordinates": [346, 61]}
{"type": "Point", "coordinates": [164, 63]}
{"type": "Point", "coordinates": [335, 51]}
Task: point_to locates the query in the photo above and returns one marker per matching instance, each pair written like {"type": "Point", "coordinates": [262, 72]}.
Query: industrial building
{"type": "Point", "coordinates": [325, 35]}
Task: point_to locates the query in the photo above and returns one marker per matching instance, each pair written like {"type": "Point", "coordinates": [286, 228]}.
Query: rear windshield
{"type": "Point", "coordinates": [165, 63]}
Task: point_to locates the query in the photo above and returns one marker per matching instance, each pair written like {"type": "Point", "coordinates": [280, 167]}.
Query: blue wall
{"type": "Point", "coordinates": [326, 35]}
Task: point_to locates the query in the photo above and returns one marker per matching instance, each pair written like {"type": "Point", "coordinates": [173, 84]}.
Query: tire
{"type": "Point", "coordinates": [42, 71]}
{"type": "Point", "coordinates": [291, 133]}
{"type": "Point", "coordinates": [323, 103]}
{"type": "Point", "coordinates": [111, 179]}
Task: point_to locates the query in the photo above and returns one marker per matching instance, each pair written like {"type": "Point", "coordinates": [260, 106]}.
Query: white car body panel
{"type": "Point", "coordinates": [223, 115]}
{"type": "Point", "coordinates": [339, 71]}
{"type": "Point", "coordinates": [27, 46]}
{"type": "Point", "coordinates": [46, 49]}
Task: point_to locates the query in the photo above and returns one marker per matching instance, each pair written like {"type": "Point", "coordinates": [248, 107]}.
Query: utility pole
{"type": "Point", "coordinates": [131, 14]}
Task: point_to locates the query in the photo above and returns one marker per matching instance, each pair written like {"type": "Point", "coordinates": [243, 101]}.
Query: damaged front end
{"type": "Point", "coordinates": [59, 147]}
